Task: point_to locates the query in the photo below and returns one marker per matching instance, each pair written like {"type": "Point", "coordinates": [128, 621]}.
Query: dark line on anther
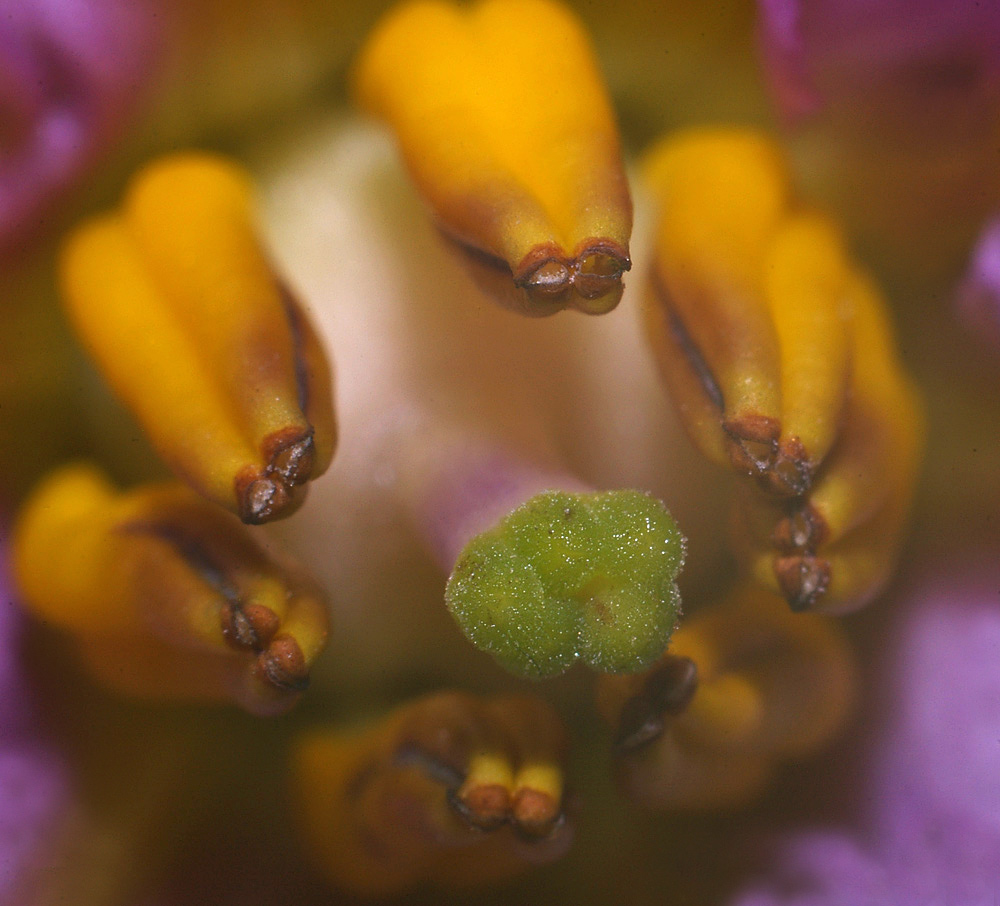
{"type": "Point", "coordinates": [192, 553]}
{"type": "Point", "coordinates": [480, 256]}
{"type": "Point", "coordinates": [688, 346]}
{"type": "Point", "coordinates": [297, 328]}
{"type": "Point", "coordinates": [667, 692]}
{"type": "Point", "coordinates": [409, 755]}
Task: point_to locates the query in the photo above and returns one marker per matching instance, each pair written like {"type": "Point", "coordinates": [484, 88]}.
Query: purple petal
{"type": "Point", "coordinates": [933, 789]}
{"type": "Point", "coordinates": [36, 793]}
{"type": "Point", "coordinates": [978, 297]}
{"type": "Point", "coordinates": [70, 72]}
{"type": "Point", "coordinates": [18, 709]}
{"type": "Point", "coordinates": [784, 58]}
{"type": "Point", "coordinates": [825, 869]}
{"type": "Point", "coordinates": [828, 51]}
{"type": "Point", "coordinates": [35, 799]}
{"type": "Point", "coordinates": [938, 775]}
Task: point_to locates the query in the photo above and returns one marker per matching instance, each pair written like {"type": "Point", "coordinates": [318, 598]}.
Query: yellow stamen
{"type": "Point", "coordinates": [175, 299]}
{"type": "Point", "coordinates": [722, 194]}
{"type": "Point", "coordinates": [166, 594]}
{"type": "Point", "coordinates": [772, 685]}
{"type": "Point", "coordinates": [504, 123]}
{"type": "Point", "coordinates": [780, 360]}
{"type": "Point", "coordinates": [387, 809]}
{"type": "Point", "coordinates": [724, 713]}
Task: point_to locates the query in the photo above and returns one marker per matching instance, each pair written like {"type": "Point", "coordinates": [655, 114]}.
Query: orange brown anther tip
{"type": "Point", "coordinates": [792, 472]}
{"type": "Point", "coordinates": [590, 281]}
{"type": "Point", "coordinates": [803, 579]}
{"type": "Point", "coordinates": [535, 812]}
{"type": "Point", "coordinates": [666, 692]}
{"type": "Point", "coordinates": [291, 456]}
{"type": "Point", "coordinates": [283, 665]}
{"type": "Point", "coordinates": [485, 806]}
{"type": "Point", "coordinates": [752, 443]}
{"type": "Point", "coordinates": [267, 494]}
{"type": "Point", "coordinates": [262, 498]}
{"type": "Point", "coordinates": [802, 530]}
{"type": "Point", "coordinates": [250, 627]}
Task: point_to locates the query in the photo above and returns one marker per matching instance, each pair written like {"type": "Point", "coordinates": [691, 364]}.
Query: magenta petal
{"type": "Point", "coordinates": [825, 869]}
{"type": "Point", "coordinates": [938, 776]}
{"type": "Point", "coordinates": [830, 51]}
{"type": "Point", "coordinates": [72, 71]}
{"type": "Point", "coordinates": [36, 791]}
{"type": "Point", "coordinates": [978, 297]}
{"type": "Point", "coordinates": [35, 795]}
{"type": "Point", "coordinates": [932, 812]}
{"type": "Point", "coordinates": [784, 58]}
{"type": "Point", "coordinates": [17, 707]}
{"type": "Point", "coordinates": [948, 681]}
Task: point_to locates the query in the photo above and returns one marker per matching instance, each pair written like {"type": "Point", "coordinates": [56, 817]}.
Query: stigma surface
{"type": "Point", "coordinates": [568, 576]}
{"type": "Point", "coordinates": [504, 123]}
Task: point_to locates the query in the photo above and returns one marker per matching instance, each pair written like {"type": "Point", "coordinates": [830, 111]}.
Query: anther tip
{"type": "Point", "coordinates": [550, 277]}
{"type": "Point", "coordinates": [753, 443]}
{"type": "Point", "coordinates": [535, 812]}
{"type": "Point", "coordinates": [262, 499]}
{"type": "Point", "coordinates": [485, 806]}
{"type": "Point", "coordinates": [251, 626]}
{"type": "Point", "coordinates": [283, 665]}
{"type": "Point", "coordinates": [590, 281]}
{"type": "Point", "coordinates": [597, 279]}
{"type": "Point", "coordinates": [802, 531]}
{"type": "Point", "coordinates": [667, 691]}
{"type": "Point", "coordinates": [803, 579]}
{"type": "Point", "coordinates": [237, 628]}
{"type": "Point", "coordinates": [291, 460]}
{"type": "Point", "coordinates": [791, 472]}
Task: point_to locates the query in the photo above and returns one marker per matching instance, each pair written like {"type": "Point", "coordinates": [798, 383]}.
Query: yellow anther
{"type": "Point", "coordinates": [749, 311]}
{"type": "Point", "coordinates": [722, 194]}
{"type": "Point", "coordinates": [84, 592]}
{"type": "Point", "coordinates": [772, 685]}
{"type": "Point", "coordinates": [506, 128]}
{"type": "Point", "coordinates": [725, 713]}
{"type": "Point", "coordinates": [174, 297]}
{"type": "Point", "coordinates": [406, 802]}
{"type": "Point", "coordinates": [486, 792]}
{"type": "Point", "coordinates": [166, 594]}
{"type": "Point", "coordinates": [781, 362]}
{"type": "Point", "coordinates": [806, 272]}
{"type": "Point", "coordinates": [834, 549]}
{"type": "Point", "coordinates": [537, 796]}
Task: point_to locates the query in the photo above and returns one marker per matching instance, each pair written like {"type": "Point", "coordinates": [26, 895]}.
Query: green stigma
{"type": "Point", "coordinates": [567, 576]}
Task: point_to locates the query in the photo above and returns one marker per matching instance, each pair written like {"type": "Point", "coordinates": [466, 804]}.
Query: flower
{"type": "Point", "coordinates": [474, 441]}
